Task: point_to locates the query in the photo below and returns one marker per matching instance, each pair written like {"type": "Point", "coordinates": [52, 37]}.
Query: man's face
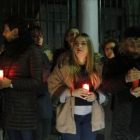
{"type": "Point", "coordinates": [9, 35]}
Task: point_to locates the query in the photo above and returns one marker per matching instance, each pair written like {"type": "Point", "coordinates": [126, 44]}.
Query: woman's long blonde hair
{"type": "Point", "coordinates": [74, 68]}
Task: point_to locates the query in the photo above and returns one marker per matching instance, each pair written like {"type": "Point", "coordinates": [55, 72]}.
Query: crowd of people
{"type": "Point", "coordinates": [75, 82]}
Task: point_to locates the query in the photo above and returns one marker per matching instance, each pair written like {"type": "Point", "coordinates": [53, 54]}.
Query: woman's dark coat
{"type": "Point", "coordinates": [126, 115]}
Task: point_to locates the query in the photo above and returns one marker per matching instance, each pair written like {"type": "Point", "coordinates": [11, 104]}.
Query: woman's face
{"type": "Point", "coordinates": [71, 35]}
{"type": "Point", "coordinates": [37, 37]}
{"type": "Point", "coordinates": [80, 49]}
{"type": "Point", "coordinates": [109, 50]}
{"type": "Point", "coordinates": [133, 48]}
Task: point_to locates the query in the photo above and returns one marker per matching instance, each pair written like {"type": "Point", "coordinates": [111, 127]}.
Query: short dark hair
{"type": "Point", "coordinates": [65, 43]}
{"type": "Point", "coordinates": [17, 22]}
{"type": "Point", "coordinates": [111, 40]}
{"type": "Point", "coordinates": [35, 27]}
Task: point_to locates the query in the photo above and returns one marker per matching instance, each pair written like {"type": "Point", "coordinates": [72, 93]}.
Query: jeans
{"type": "Point", "coordinates": [20, 134]}
{"type": "Point", "coordinates": [43, 129]}
{"type": "Point", "coordinates": [83, 129]}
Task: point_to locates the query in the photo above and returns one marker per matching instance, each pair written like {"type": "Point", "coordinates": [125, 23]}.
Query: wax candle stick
{"type": "Point", "coordinates": [1, 74]}
{"type": "Point", "coordinates": [135, 84]}
{"type": "Point", "coordinates": [85, 86]}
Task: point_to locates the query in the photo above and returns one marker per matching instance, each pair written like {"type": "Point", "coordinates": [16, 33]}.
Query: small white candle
{"type": "Point", "coordinates": [1, 74]}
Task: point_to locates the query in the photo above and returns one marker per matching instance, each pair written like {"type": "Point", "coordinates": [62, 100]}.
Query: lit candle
{"type": "Point", "coordinates": [135, 84]}
{"type": "Point", "coordinates": [86, 86]}
{"type": "Point", "coordinates": [1, 74]}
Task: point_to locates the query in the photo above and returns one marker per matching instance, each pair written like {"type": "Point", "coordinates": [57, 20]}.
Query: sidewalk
{"type": "Point", "coordinates": [56, 137]}
{"type": "Point", "coordinates": [51, 137]}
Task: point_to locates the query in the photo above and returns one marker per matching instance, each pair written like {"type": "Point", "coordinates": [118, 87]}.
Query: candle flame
{"type": "Point", "coordinates": [86, 86]}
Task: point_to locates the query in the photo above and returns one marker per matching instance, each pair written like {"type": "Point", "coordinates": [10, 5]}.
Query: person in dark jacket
{"type": "Point", "coordinates": [22, 65]}
{"type": "Point", "coordinates": [44, 105]}
{"type": "Point", "coordinates": [67, 44]}
{"type": "Point", "coordinates": [110, 47]}
{"type": "Point", "coordinates": [118, 77]}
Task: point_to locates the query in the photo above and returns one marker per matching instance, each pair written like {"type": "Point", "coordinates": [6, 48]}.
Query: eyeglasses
{"type": "Point", "coordinates": [109, 49]}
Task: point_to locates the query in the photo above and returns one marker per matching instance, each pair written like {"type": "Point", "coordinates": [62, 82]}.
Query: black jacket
{"type": "Point", "coordinates": [126, 117]}
{"type": "Point", "coordinates": [22, 65]}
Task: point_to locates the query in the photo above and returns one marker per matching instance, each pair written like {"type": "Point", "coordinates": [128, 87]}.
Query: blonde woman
{"type": "Point", "coordinates": [121, 77]}
{"type": "Point", "coordinates": [79, 114]}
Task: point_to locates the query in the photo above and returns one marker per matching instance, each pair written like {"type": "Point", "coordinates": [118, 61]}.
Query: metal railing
{"type": "Point", "coordinates": [52, 15]}
{"type": "Point", "coordinates": [110, 19]}
{"type": "Point", "coordinates": [115, 16]}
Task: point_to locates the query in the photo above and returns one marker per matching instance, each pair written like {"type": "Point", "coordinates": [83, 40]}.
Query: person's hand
{"type": "Point", "coordinates": [91, 96]}
{"type": "Point", "coordinates": [80, 93]}
{"type": "Point", "coordinates": [5, 83]}
{"type": "Point", "coordinates": [135, 92]}
{"type": "Point", "coordinates": [132, 75]}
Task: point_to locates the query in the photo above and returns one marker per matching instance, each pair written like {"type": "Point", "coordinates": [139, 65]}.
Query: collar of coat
{"type": "Point", "coordinates": [18, 46]}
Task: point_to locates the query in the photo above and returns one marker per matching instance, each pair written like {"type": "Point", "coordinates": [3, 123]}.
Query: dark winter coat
{"type": "Point", "coordinates": [22, 63]}
{"type": "Point", "coordinates": [126, 117]}
{"type": "Point", "coordinates": [44, 105]}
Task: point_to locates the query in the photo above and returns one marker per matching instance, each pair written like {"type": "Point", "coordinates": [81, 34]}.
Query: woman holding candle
{"type": "Point", "coordinates": [77, 106]}
{"type": "Point", "coordinates": [121, 76]}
